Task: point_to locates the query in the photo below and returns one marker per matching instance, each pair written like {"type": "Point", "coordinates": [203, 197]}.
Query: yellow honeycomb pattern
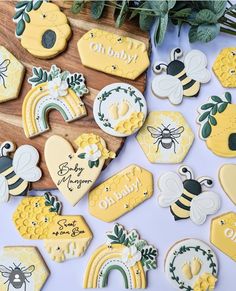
{"type": "Point", "coordinates": [130, 125]}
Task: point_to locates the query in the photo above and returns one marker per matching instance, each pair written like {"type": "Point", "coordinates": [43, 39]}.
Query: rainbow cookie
{"type": "Point", "coordinates": [126, 252]}
{"type": "Point", "coordinates": [57, 90]}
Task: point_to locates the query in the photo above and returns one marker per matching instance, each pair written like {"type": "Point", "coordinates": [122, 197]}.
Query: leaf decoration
{"type": "Point", "coordinates": [145, 20]}
{"type": "Point", "coordinates": [123, 14]}
{"type": "Point", "coordinates": [97, 8]}
{"type": "Point", "coordinates": [39, 76]}
{"type": "Point", "coordinates": [161, 30]}
{"type": "Point", "coordinates": [207, 32]}
{"type": "Point", "coordinates": [52, 202]}
{"type": "Point", "coordinates": [206, 16]}
{"type": "Point", "coordinates": [149, 254]}
{"type": "Point", "coordinates": [77, 6]}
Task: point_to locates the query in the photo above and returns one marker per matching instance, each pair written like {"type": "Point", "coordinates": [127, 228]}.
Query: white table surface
{"type": "Point", "coordinates": [155, 224]}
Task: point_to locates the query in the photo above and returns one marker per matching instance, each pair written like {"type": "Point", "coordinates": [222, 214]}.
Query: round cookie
{"type": "Point", "coordinates": [120, 109]}
{"type": "Point", "coordinates": [191, 264]}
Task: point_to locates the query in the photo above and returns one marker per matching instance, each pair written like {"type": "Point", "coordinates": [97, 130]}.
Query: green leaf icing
{"type": "Point", "coordinates": [52, 202]}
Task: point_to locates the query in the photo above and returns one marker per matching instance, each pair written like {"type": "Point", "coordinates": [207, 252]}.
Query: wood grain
{"type": "Point", "coordinates": [10, 112]}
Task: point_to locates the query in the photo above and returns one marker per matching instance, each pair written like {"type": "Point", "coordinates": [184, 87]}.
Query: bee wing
{"type": "Point", "coordinates": [28, 272]}
{"type": "Point", "coordinates": [168, 86]}
{"type": "Point", "coordinates": [195, 64]}
{"type": "Point", "coordinates": [4, 65]}
{"type": "Point", "coordinates": [177, 132]}
{"type": "Point", "coordinates": [5, 271]}
{"type": "Point", "coordinates": [24, 163]}
{"type": "Point", "coordinates": [155, 132]}
{"type": "Point", "coordinates": [4, 191]}
{"type": "Point", "coordinates": [203, 205]}
{"type": "Point", "coordinates": [171, 187]}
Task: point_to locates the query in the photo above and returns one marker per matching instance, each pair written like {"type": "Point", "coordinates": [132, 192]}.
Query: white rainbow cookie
{"type": "Point", "coordinates": [74, 173]}
{"type": "Point", "coordinates": [191, 265]}
{"type": "Point", "coordinates": [18, 171]}
{"type": "Point", "coordinates": [120, 109]}
{"type": "Point", "coordinates": [125, 252]}
{"type": "Point", "coordinates": [22, 268]}
{"type": "Point", "coordinates": [52, 89]}
{"type": "Point", "coordinates": [187, 198]}
{"type": "Point", "coordinates": [11, 75]}
{"type": "Point", "coordinates": [65, 236]}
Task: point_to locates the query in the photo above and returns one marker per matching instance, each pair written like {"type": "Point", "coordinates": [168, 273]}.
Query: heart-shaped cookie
{"type": "Point", "coordinates": [227, 177]}
{"type": "Point", "coordinates": [75, 173]}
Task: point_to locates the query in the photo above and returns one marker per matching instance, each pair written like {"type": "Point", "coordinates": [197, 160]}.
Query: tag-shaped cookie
{"type": "Point", "coordinates": [11, 75]}
{"type": "Point", "coordinates": [126, 252]}
{"type": "Point", "coordinates": [120, 109]}
{"type": "Point", "coordinates": [182, 79]}
{"type": "Point", "coordinates": [74, 173]}
{"type": "Point", "coordinates": [65, 237]}
{"type": "Point", "coordinates": [113, 54]}
{"type": "Point", "coordinates": [191, 264]}
{"type": "Point", "coordinates": [41, 27]}
{"type": "Point", "coordinates": [18, 171]}
{"type": "Point", "coordinates": [223, 233]}
{"type": "Point", "coordinates": [121, 193]}
{"type": "Point", "coordinates": [52, 89]}
{"type": "Point", "coordinates": [187, 199]}
{"type": "Point", "coordinates": [165, 137]}
{"type": "Point", "coordinates": [218, 125]}
{"type": "Point", "coordinates": [227, 177]}
{"type": "Point", "coordinates": [22, 268]}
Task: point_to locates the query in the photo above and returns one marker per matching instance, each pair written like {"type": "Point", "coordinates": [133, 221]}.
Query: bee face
{"type": "Point", "coordinates": [175, 67]}
{"type": "Point", "coordinates": [192, 186]}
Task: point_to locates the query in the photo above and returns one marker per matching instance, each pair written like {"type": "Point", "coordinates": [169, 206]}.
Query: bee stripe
{"type": "Point", "coordinates": [7, 171]}
{"type": "Point", "coordinates": [181, 205]}
{"type": "Point", "coordinates": [187, 197]}
{"type": "Point", "coordinates": [9, 176]}
{"type": "Point", "coordinates": [15, 184]}
{"type": "Point", "coordinates": [189, 84]}
{"type": "Point", "coordinates": [12, 180]}
{"type": "Point", "coordinates": [181, 78]}
{"type": "Point", "coordinates": [20, 189]}
{"type": "Point", "coordinates": [181, 74]}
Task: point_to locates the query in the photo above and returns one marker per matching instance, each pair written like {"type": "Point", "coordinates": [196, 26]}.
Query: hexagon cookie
{"type": "Point", "coordinates": [11, 75]}
{"type": "Point", "coordinates": [165, 137]}
{"type": "Point", "coordinates": [224, 67]}
{"type": "Point", "coordinates": [22, 268]}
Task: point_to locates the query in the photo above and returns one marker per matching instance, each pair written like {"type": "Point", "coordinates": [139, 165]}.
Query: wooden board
{"type": "Point", "coordinates": [10, 112]}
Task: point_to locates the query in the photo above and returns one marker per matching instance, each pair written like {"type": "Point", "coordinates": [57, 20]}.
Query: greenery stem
{"type": "Point", "coordinates": [226, 30]}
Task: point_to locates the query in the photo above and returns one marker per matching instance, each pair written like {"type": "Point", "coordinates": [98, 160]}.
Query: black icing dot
{"type": "Point", "coordinates": [209, 182]}
{"type": "Point", "coordinates": [184, 170]}
{"type": "Point", "coordinates": [49, 38]}
{"type": "Point", "coordinates": [7, 146]}
{"type": "Point", "coordinates": [232, 142]}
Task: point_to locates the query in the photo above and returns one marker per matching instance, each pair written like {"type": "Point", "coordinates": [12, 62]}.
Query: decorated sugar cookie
{"type": "Point", "coordinates": [227, 177]}
{"type": "Point", "coordinates": [182, 79]}
{"type": "Point", "coordinates": [121, 193]}
{"type": "Point", "coordinates": [126, 252]}
{"type": "Point", "coordinates": [191, 265]}
{"type": "Point", "coordinates": [74, 173]}
{"type": "Point", "coordinates": [18, 171]}
{"type": "Point", "coordinates": [187, 199]}
{"type": "Point", "coordinates": [11, 75]}
{"type": "Point", "coordinates": [218, 125]}
{"type": "Point", "coordinates": [113, 54]}
{"type": "Point", "coordinates": [165, 137]}
{"type": "Point", "coordinates": [223, 233]}
{"type": "Point", "coordinates": [22, 268]}
{"type": "Point", "coordinates": [120, 109]}
{"type": "Point", "coordinates": [52, 89]}
{"type": "Point", "coordinates": [65, 236]}
{"type": "Point", "coordinates": [41, 27]}
{"type": "Point", "coordinates": [224, 67]}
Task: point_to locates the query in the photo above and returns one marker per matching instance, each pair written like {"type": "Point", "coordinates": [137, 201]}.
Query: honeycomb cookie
{"type": "Point", "coordinates": [120, 109]}
{"type": "Point", "coordinates": [126, 252]}
{"type": "Point", "coordinates": [218, 125]}
{"type": "Point", "coordinates": [41, 27]}
{"type": "Point", "coordinates": [65, 237]}
{"type": "Point", "coordinates": [191, 264]}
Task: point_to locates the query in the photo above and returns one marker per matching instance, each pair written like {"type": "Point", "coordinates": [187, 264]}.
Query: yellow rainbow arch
{"type": "Point", "coordinates": [104, 260]}
{"type": "Point", "coordinates": [38, 103]}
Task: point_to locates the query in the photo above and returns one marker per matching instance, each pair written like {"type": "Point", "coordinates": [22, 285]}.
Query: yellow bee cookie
{"type": "Point", "coordinates": [42, 28]}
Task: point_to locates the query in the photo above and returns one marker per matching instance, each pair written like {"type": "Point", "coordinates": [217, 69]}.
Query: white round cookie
{"type": "Point", "coordinates": [187, 260]}
{"type": "Point", "coordinates": [120, 109]}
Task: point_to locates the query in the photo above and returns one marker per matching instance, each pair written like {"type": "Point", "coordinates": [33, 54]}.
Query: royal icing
{"type": "Point", "coordinates": [124, 251]}
{"type": "Point", "coordinates": [22, 268]}
{"type": "Point", "coordinates": [65, 237]}
{"type": "Point", "coordinates": [191, 265]}
{"type": "Point", "coordinates": [186, 198]}
{"type": "Point", "coordinates": [11, 75]}
{"type": "Point", "coordinates": [218, 125]}
{"type": "Point", "coordinates": [113, 54]}
{"type": "Point", "coordinates": [224, 67]}
{"type": "Point", "coordinates": [227, 177]}
{"type": "Point", "coordinates": [119, 109]}
{"type": "Point", "coordinates": [16, 172]}
{"type": "Point", "coordinates": [182, 79]}
{"type": "Point", "coordinates": [165, 137]}
{"type": "Point", "coordinates": [74, 173]}
{"type": "Point", "coordinates": [41, 27]}
{"type": "Point", "coordinates": [121, 193]}
{"type": "Point", "coordinates": [52, 89]}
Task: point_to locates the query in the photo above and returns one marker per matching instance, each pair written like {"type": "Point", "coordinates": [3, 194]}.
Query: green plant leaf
{"type": "Point", "coordinates": [206, 130]}
{"type": "Point", "coordinates": [171, 4]}
{"type": "Point", "coordinates": [222, 107]}
{"type": "Point", "coordinates": [77, 6]}
{"type": "Point", "coordinates": [206, 16]}
{"type": "Point", "coordinates": [216, 99]}
{"type": "Point", "coordinates": [192, 34]}
{"type": "Point", "coordinates": [37, 4]}
{"type": "Point", "coordinates": [228, 97]}
{"type": "Point", "coordinates": [29, 6]}
{"type": "Point", "coordinates": [214, 110]}
{"type": "Point", "coordinates": [207, 32]}
{"type": "Point", "coordinates": [26, 17]}
{"type": "Point", "coordinates": [145, 20]}
{"type": "Point", "coordinates": [204, 116]}
{"type": "Point", "coordinates": [97, 8]}
{"type": "Point", "coordinates": [219, 7]}
{"type": "Point", "coordinates": [160, 30]}
{"type": "Point", "coordinates": [81, 156]}
{"type": "Point", "coordinates": [207, 106]}
{"type": "Point", "coordinates": [123, 14]}
{"type": "Point", "coordinates": [20, 4]}
{"type": "Point", "coordinates": [183, 12]}
{"type": "Point", "coordinates": [159, 7]}
{"type": "Point", "coordinates": [212, 120]}
{"type": "Point", "coordinates": [18, 14]}
{"type": "Point", "coordinates": [20, 27]}
{"type": "Point", "coordinates": [90, 164]}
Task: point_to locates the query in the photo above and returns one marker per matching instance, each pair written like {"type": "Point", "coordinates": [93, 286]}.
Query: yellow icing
{"type": "Point", "coordinates": [113, 54]}
{"type": "Point", "coordinates": [14, 76]}
{"type": "Point", "coordinates": [120, 193]}
{"type": "Point", "coordinates": [186, 270]}
{"type": "Point", "coordinates": [196, 266]}
{"type": "Point", "coordinates": [205, 282]}
{"type": "Point", "coordinates": [131, 124]}
{"type": "Point", "coordinates": [225, 67]}
{"type": "Point", "coordinates": [227, 177]}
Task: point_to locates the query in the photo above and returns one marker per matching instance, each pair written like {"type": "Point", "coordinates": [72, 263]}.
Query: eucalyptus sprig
{"type": "Point", "coordinates": [206, 19]}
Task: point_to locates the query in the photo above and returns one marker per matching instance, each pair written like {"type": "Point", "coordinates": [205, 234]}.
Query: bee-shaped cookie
{"type": "Point", "coordinates": [181, 78]}
{"type": "Point", "coordinates": [16, 173]}
{"type": "Point", "coordinates": [187, 199]}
